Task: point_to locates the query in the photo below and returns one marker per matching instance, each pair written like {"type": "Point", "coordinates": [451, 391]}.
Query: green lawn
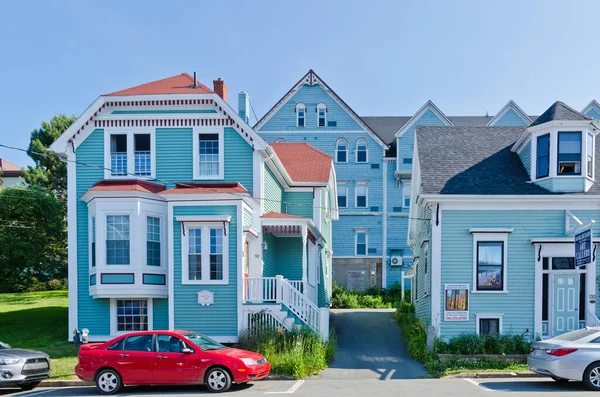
{"type": "Point", "coordinates": [39, 320]}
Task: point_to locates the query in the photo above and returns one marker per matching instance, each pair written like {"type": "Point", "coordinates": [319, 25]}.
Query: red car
{"type": "Point", "coordinates": [167, 358]}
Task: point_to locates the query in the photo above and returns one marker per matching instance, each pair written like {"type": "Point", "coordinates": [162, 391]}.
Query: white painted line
{"type": "Point", "coordinates": [478, 385]}
{"type": "Point", "coordinates": [291, 390]}
{"type": "Point", "coordinates": [36, 393]}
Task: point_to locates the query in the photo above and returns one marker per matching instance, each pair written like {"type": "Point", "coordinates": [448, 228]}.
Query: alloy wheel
{"type": "Point", "coordinates": [108, 382]}
{"type": "Point", "coordinates": [595, 376]}
{"type": "Point", "coordinates": [217, 379]}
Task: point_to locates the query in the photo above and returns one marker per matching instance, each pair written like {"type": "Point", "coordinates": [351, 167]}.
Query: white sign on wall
{"type": "Point", "coordinates": [206, 298]}
{"type": "Point", "coordinates": [456, 302]}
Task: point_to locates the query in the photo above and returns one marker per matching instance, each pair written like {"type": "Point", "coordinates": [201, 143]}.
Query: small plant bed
{"type": "Point", "coordinates": [371, 298]}
{"type": "Point", "coordinates": [464, 353]}
{"type": "Point", "coordinates": [298, 353]}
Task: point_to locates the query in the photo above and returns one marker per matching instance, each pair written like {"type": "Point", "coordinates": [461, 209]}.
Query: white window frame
{"type": "Point", "coordinates": [196, 148]}
{"type": "Point", "coordinates": [366, 184]}
{"type": "Point", "coordinates": [593, 176]}
{"type": "Point", "coordinates": [205, 241]}
{"type": "Point", "coordinates": [162, 226]}
{"type": "Point", "coordinates": [366, 151]}
{"type": "Point", "coordinates": [336, 150]}
{"type": "Point", "coordinates": [322, 106]}
{"type": "Point", "coordinates": [280, 140]}
{"type": "Point", "coordinates": [427, 270]}
{"type": "Point", "coordinates": [406, 191]}
{"type": "Point", "coordinates": [93, 239]}
{"type": "Point", "coordinates": [132, 233]}
{"type": "Point", "coordinates": [488, 317]}
{"type": "Point", "coordinates": [300, 106]}
{"type": "Point", "coordinates": [129, 132]}
{"type": "Point", "coordinates": [345, 184]}
{"type": "Point", "coordinates": [113, 315]}
{"type": "Point", "coordinates": [491, 235]}
{"type": "Point", "coordinates": [356, 232]}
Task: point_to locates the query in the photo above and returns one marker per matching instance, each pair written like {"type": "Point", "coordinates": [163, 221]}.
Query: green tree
{"type": "Point", "coordinates": [33, 238]}
{"type": "Point", "coordinates": [49, 172]}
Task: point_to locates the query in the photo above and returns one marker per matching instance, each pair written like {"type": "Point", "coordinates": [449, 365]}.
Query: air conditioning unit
{"type": "Point", "coordinates": [396, 261]}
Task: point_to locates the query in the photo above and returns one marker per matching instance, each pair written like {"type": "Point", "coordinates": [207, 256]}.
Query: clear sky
{"type": "Point", "coordinates": [381, 57]}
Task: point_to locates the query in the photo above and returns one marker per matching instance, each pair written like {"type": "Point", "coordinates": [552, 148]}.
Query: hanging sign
{"type": "Point", "coordinates": [583, 248]}
{"type": "Point", "coordinates": [456, 302]}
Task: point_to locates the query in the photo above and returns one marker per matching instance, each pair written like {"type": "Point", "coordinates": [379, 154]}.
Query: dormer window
{"type": "Point", "coordinates": [543, 156]}
{"type": "Point", "coordinates": [322, 114]}
{"type": "Point", "coordinates": [590, 155]}
{"type": "Point", "coordinates": [569, 153]}
{"type": "Point", "coordinates": [300, 115]}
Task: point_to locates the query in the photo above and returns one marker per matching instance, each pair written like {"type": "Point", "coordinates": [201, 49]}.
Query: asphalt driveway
{"type": "Point", "coordinates": [370, 347]}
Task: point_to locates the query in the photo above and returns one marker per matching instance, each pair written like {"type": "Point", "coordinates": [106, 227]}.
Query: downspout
{"type": "Point", "coordinates": [384, 226]}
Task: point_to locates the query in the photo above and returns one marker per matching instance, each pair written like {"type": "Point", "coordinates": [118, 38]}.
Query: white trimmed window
{"type": "Point", "coordinates": [280, 140]}
{"type": "Point", "coordinates": [406, 195]}
{"type": "Point", "coordinates": [362, 194]}
{"type": "Point", "coordinates": [130, 153]}
{"type": "Point", "coordinates": [342, 191]}
{"type": "Point", "coordinates": [153, 254]}
{"type": "Point", "coordinates": [300, 115]}
{"type": "Point", "coordinates": [590, 156]}
{"type": "Point", "coordinates": [488, 324]}
{"type": "Point", "coordinates": [204, 254]}
{"type": "Point", "coordinates": [341, 151]}
{"type": "Point", "coordinates": [361, 242]}
{"type": "Point", "coordinates": [490, 251]}
{"type": "Point", "coordinates": [117, 240]}
{"type": "Point", "coordinates": [209, 159]}
{"type": "Point", "coordinates": [321, 115]}
{"type": "Point", "coordinates": [132, 315]}
{"type": "Point", "coordinates": [93, 246]}
{"type": "Point", "coordinates": [426, 272]}
{"type": "Point", "coordinates": [362, 151]}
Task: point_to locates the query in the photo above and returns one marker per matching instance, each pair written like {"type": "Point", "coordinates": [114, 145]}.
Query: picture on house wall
{"type": "Point", "coordinates": [456, 306]}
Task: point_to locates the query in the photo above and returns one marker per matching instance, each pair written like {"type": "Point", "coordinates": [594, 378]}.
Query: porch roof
{"type": "Point", "coordinates": [206, 188]}
{"type": "Point", "coordinates": [286, 225]}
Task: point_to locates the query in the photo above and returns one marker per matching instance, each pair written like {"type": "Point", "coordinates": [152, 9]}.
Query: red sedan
{"type": "Point", "coordinates": [167, 358]}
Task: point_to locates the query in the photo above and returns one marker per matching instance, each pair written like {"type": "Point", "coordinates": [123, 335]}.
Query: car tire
{"type": "Point", "coordinates": [218, 380]}
{"type": "Point", "coordinates": [591, 377]}
{"type": "Point", "coordinates": [109, 382]}
{"type": "Point", "coordinates": [560, 380]}
{"type": "Point", "coordinates": [29, 386]}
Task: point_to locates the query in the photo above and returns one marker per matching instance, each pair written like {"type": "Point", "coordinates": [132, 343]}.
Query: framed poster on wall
{"type": "Point", "coordinates": [456, 302]}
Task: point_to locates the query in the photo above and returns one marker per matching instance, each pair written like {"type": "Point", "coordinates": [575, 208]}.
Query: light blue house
{"type": "Point", "coordinates": [182, 217]}
{"type": "Point", "coordinates": [492, 225]}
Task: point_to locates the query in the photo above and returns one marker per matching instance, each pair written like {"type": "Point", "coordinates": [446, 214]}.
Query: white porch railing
{"type": "Point", "coordinates": [260, 289]}
{"type": "Point", "coordinates": [592, 320]}
{"type": "Point", "coordinates": [300, 305]}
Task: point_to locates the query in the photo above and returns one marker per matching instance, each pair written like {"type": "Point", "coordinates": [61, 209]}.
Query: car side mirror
{"type": "Point", "coordinates": [187, 351]}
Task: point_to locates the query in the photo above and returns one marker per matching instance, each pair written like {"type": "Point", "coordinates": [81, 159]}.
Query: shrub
{"type": "Point", "coordinates": [371, 298]}
{"type": "Point", "coordinates": [413, 330]}
{"type": "Point", "coordinates": [58, 284]}
{"type": "Point", "coordinates": [484, 344]}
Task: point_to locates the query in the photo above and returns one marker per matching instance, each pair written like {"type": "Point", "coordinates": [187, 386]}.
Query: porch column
{"type": "Point", "coordinates": [304, 257]}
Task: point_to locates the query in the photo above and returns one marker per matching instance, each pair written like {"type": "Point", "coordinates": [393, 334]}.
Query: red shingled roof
{"type": "Point", "coordinates": [206, 188]}
{"type": "Point", "coordinates": [129, 184]}
{"type": "Point", "coordinates": [277, 215]}
{"type": "Point", "coordinates": [180, 84]}
{"type": "Point", "coordinates": [9, 169]}
{"type": "Point", "coordinates": [303, 162]}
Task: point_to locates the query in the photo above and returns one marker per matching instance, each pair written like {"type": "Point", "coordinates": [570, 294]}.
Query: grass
{"type": "Point", "coordinates": [38, 320]}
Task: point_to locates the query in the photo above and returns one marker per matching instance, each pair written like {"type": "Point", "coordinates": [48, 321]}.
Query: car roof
{"type": "Point", "coordinates": [176, 332]}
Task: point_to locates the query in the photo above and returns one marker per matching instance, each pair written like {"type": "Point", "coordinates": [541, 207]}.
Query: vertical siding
{"type": "Point", "coordinates": [406, 142]}
{"type": "Point", "coordinates": [161, 313]}
{"type": "Point", "coordinates": [510, 118]}
{"type": "Point", "coordinates": [93, 314]}
{"type": "Point", "coordinates": [525, 156]}
{"type": "Point", "coordinates": [273, 192]}
{"type": "Point", "coordinates": [298, 203]}
{"type": "Point", "coordinates": [219, 319]}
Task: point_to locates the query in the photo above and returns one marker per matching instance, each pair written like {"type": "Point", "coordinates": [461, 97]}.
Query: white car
{"type": "Point", "coordinates": [571, 356]}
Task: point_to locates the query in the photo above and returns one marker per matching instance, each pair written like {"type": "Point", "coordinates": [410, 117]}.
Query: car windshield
{"type": "Point", "coordinates": [4, 345]}
{"type": "Point", "coordinates": [204, 342]}
{"type": "Point", "coordinates": [575, 335]}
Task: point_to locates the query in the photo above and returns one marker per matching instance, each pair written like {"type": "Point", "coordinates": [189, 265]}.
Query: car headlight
{"type": "Point", "coordinates": [249, 361]}
{"type": "Point", "coordinates": [8, 361]}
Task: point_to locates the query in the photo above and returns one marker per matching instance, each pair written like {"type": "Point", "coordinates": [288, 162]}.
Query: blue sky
{"type": "Point", "coordinates": [381, 57]}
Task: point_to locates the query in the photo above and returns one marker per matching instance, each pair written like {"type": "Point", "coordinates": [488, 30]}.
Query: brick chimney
{"type": "Point", "coordinates": [220, 88]}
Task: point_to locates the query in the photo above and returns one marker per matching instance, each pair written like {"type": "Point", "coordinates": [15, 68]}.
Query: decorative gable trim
{"type": "Point", "coordinates": [311, 78]}
{"type": "Point", "coordinates": [510, 105]}
{"type": "Point", "coordinates": [592, 105]}
{"type": "Point", "coordinates": [429, 105]}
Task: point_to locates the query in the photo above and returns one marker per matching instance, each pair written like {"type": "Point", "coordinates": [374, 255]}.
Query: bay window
{"type": "Point", "coordinates": [543, 156]}
{"type": "Point", "coordinates": [569, 153]}
{"type": "Point", "coordinates": [117, 240]}
{"type": "Point", "coordinates": [590, 155]}
{"type": "Point", "coordinates": [153, 241]}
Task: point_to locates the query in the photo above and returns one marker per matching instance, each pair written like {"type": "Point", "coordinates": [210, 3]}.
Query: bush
{"type": "Point", "coordinates": [371, 298]}
{"type": "Point", "coordinates": [57, 284]}
{"type": "Point", "coordinates": [413, 330]}
{"type": "Point", "coordinates": [298, 353]}
{"type": "Point", "coordinates": [484, 344]}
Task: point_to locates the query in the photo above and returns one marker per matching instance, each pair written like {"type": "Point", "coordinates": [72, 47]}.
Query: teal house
{"type": "Point", "coordinates": [495, 212]}
{"type": "Point", "coordinates": [180, 216]}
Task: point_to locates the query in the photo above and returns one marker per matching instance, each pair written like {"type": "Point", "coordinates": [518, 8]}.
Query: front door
{"type": "Point", "coordinates": [566, 303]}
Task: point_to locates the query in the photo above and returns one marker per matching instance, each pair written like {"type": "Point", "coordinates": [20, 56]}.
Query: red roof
{"type": "Point", "coordinates": [277, 215]}
{"type": "Point", "coordinates": [9, 169]}
{"type": "Point", "coordinates": [180, 84]}
{"type": "Point", "coordinates": [303, 162]}
{"type": "Point", "coordinates": [128, 184]}
{"type": "Point", "coordinates": [206, 188]}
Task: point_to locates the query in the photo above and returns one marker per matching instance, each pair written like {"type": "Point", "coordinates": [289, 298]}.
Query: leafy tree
{"type": "Point", "coordinates": [49, 171]}
{"type": "Point", "coordinates": [33, 238]}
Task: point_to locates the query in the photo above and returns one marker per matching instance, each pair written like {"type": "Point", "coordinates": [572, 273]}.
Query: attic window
{"type": "Point", "coordinates": [569, 153]}
{"type": "Point", "coordinates": [322, 114]}
{"type": "Point", "coordinates": [300, 115]}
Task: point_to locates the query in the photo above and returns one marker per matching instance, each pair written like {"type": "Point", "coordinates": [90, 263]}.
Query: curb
{"type": "Point", "coordinates": [496, 375]}
{"type": "Point", "coordinates": [81, 383]}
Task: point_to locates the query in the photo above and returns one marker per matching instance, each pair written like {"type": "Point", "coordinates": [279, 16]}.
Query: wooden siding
{"type": "Point", "coordinates": [593, 113]}
{"type": "Point", "coordinates": [161, 313]}
{"type": "Point", "coordinates": [510, 118]}
{"type": "Point", "coordinates": [298, 203]}
{"type": "Point", "coordinates": [247, 214]}
{"type": "Point", "coordinates": [273, 192]}
{"type": "Point", "coordinates": [407, 140]}
{"type": "Point", "coordinates": [343, 234]}
{"type": "Point", "coordinates": [525, 156]}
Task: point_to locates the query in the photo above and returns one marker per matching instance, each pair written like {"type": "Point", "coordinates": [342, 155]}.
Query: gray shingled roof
{"type": "Point", "coordinates": [476, 161]}
{"type": "Point", "coordinates": [560, 111]}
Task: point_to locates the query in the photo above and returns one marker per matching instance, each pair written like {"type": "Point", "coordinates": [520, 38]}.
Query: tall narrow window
{"type": "Point", "coordinates": [117, 240]}
{"type": "Point", "coordinates": [216, 254]}
{"type": "Point", "coordinates": [322, 114]}
{"type": "Point", "coordinates": [543, 156]}
{"type": "Point", "coordinates": [590, 155]}
{"type": "Point", "coordinates": [406, 194]}
{"type": "Point", "coordinates": [569, 153]}
{"type": "Point", "coordinates": [490, 266]}
{"type": "Point", "coordinates": [195, 254]}
{"type": "Point", "coordinates": [300, 115]}
{"type": "Point", "coordinates": [209, 154]}
{"type": "Point", "coordinates": [342, 191]}
{"type": "Point", "coordinates": [93, 241]}
{"type": "Point", "coordinates": [341, 151]}
{"type": "Point", "coordinates": [361, 150]}
{"type": "Point", "coordinates": [118, 155]}
{"type": "Point", "coordinates": [361, 242]}
{"type": "Point", "coordinates": [153, 241]}
{"type": "Point", "coordinates": [361, 194]}
{"type": "Point", "coordinates": [141, 155]}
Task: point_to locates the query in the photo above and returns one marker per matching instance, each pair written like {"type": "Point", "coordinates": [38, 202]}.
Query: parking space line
{"type": "Point", "coordinates": [291, 390]}
{"type": "Point", "coordinates": [35, 393]}
{"type": "Point", "coordinates": [473, 382]}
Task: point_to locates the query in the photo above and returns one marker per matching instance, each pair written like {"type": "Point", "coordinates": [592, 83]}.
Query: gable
{"type": "Point", "coordinates": [508, 119]}
{"type": "Point", "coordinates": [593, 112]}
